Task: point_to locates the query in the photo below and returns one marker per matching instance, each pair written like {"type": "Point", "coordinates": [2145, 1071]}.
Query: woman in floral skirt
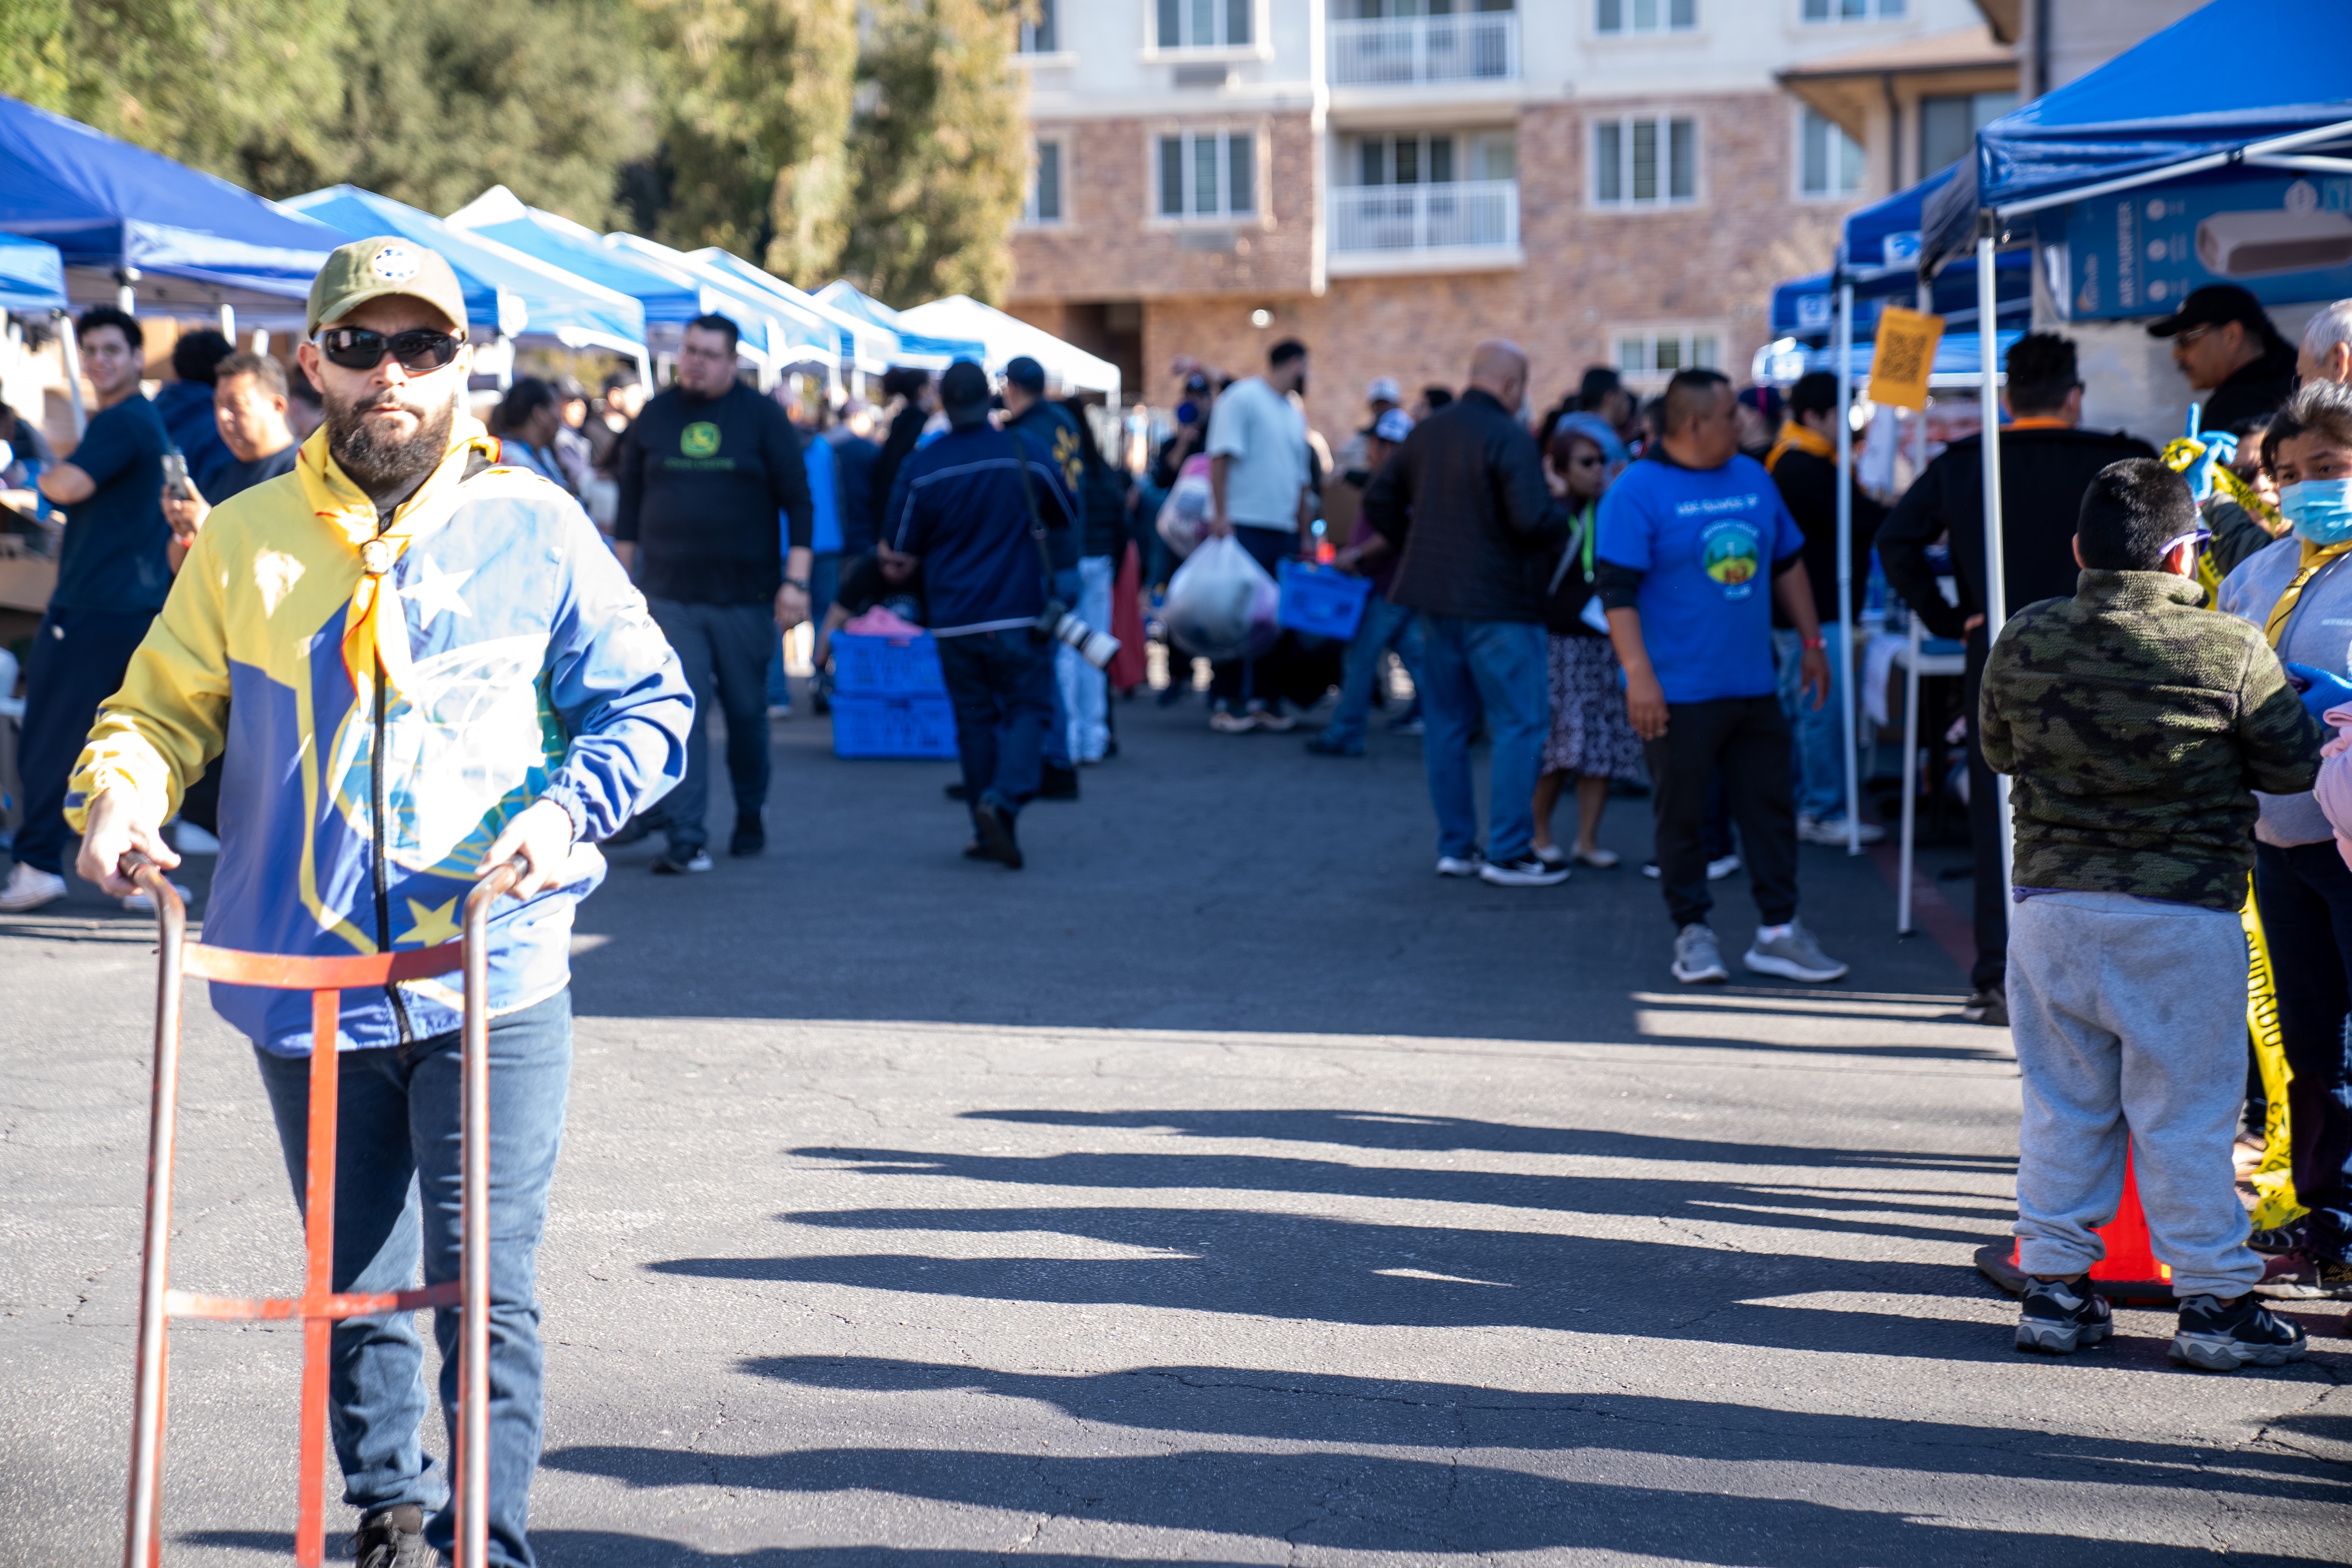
{"type": "Point", "coordinates": [1591, 740]}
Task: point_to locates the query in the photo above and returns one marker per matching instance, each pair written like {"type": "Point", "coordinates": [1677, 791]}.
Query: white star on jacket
{"type": "Point", "coordinates": [434, 589]}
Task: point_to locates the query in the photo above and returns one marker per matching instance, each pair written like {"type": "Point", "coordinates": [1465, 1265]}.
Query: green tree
{"type": "Point", "coordinates": [755, 106]}
{"type": "Point", "coordinates": [33, 51]}
{"type": "Point", "coordinates": [941, 151]}
{"type": "Point", "coordinates": [444, 98]}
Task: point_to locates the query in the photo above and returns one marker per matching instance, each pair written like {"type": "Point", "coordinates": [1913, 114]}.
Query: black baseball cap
{"type": "Point", "coordinates": [1028, 375]}
{"type": "Point", "coordinates": [964, 392]}
{"type": "Point", "coordinates": [2213, 305]}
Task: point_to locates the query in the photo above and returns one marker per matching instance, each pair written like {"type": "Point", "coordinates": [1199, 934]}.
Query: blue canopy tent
{"type": "Point", "coordinates": [867, 346]}
{"type": "Point", "coordinates": [125, 218]}
{"type": "Point", "coordinates": [499, 214]}
{"type": "Point", "coordinates": [777, 334]}
{"type": "Point", "coordinates": [2162, 114]}
{"type": "Point", "coordinates": [515, 294]}
{"type": "Point", "coordinates": [922, 350]}
{"type": "Point", "coordinates": [32, 275]}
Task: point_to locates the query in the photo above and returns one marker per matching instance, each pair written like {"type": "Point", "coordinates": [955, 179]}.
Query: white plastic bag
{"type": "Point", "coordinates": [1184, 516]}
{"type": "Point", "coordinates": [1221, 603]}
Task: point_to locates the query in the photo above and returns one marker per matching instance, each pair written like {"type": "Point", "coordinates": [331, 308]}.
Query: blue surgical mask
{"type": "Point", "coordinates": [2320, 509]}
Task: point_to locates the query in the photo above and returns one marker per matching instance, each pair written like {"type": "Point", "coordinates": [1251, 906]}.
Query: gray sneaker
{"type": "Point", "coordinates": [1698, 958]}
{"type": "Point", "coordinates": [1793, 956]}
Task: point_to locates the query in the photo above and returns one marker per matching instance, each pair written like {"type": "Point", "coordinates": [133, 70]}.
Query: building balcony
{"type": "Point", "coordinates": [1402, 51]}
{"type": "Point", "coordinates": [1465, 225]}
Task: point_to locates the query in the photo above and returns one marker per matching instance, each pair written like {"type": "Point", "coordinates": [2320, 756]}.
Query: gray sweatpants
{"type": "Point", "coordinates": [2129, 1016]}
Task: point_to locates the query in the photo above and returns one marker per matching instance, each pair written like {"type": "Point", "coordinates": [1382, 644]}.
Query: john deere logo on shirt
{"type": "Point", "coordinates": [699, 440]}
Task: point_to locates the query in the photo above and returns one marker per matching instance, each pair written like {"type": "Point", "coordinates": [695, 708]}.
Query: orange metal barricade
{"type": "Point", "coordinates": [319, 1308]}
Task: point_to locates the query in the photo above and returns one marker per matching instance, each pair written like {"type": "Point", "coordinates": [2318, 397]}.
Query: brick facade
{"type": "Point", "coordinates": [1587, 272]}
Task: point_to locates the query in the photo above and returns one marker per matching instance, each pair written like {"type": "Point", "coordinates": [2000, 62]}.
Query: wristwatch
{"type": "Point", "coordinates": [800, 582]}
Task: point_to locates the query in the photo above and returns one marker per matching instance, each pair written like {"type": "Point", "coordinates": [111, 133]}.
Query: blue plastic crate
{"type": "Point", "coordinates": [920, 727]}
{"type": "Point", "coordinates": [1321, 600]}
{"type": "Point", "coordinates": [886, 666]}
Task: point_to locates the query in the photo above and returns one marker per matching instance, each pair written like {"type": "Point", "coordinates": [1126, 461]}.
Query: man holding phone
{"type": "Point", "coordinates": [113, 572]}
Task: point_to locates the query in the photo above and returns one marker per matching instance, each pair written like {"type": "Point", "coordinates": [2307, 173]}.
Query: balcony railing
{"type": "Point", "coordinates": [1400, 50]}
{"type": "Point", "coordinates": [1395, 219]}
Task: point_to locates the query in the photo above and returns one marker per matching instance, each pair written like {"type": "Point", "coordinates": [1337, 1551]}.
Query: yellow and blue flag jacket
{"type": "Point", "coordinates": [384, 699]}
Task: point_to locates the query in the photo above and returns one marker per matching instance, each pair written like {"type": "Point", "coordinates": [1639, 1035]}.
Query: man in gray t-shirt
{"type": "Point", "coordinates": [1261, 492]}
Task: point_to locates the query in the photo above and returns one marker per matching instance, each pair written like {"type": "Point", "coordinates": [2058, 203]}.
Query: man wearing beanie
{"type": "Point", "coordinates": [976, 507]}
{"type": "Point", "coordinates": [415, 665]}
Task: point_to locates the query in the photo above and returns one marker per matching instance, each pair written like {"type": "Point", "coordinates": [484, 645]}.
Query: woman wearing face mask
{"type": "Point", "coordinates": [2300, 590]}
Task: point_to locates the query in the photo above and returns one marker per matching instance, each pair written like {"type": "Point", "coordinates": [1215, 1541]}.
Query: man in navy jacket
{"type": "Point", "coordinates": [973, 505]}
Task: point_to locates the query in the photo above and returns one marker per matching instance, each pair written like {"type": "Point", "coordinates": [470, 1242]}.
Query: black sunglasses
{"type": "Point", "coordinates": [420, 351]}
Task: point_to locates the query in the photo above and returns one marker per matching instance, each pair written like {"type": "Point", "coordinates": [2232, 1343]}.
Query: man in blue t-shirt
{"type": "Point", "coordinates": [1696, 544]}
{"type": "Point", "coordinates": [112, 575]}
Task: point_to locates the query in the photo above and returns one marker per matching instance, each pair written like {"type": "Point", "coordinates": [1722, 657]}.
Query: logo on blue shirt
{"type": "Point", "coordinates": [1729, 553]}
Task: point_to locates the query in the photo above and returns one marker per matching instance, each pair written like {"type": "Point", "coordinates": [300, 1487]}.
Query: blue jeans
{"type": "Point", "coordinates": [1817, 734]}
{"type": "Point", "coordinates": [725, 650]}
{"type": "Point", "coordinates": [1503, 665]}
{"type": "Point", "coordinates": [1084, 690]}
{"type": "Point", "coordinates": [397, 1192]}
{"type": "Point", "coordinates": [77, 661]}
{"type": "Point", "coordinates": [1384, 625]}
{"type": "Point", "coordinates": [1001, 684]}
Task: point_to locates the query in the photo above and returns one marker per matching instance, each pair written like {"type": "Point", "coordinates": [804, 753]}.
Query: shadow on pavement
{"type": "Point", "coordinates": [1372, 1503]}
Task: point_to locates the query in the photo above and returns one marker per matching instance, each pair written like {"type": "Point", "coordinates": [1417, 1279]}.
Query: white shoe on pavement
{"type": "Point", "coordinates": [29, 888]}
{"type": "Point", "coordinates": [1832, 830]}
{"type": "Point", "coordinates": [1225, 722]}
{"type": "Point", "coordinates": [1698, 957]}
{"type": "Point", "coordinates": [1793, 954]}
{"type": "Point", "coordinates": [1716, 871]}
{"type": "Point", "coordinates": [1460, 865]}
{"type": "Point", "coordinates": [190, 839]}
{"type": "Point", "coordinates": [1527, 872]}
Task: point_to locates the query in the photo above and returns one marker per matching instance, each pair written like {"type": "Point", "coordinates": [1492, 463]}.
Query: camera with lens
{"type": "Point", "coordinates": [1056, 624]}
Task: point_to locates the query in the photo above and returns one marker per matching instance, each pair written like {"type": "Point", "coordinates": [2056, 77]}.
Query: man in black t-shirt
{"type": "Point", "coordinates": [708, 472]}
{"type": "Point", "coordinates": [112, 575]}
{"type": "Point", "coordinates": [881, 577]}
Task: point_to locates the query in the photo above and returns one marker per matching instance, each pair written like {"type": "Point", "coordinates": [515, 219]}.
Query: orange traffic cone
{"type": "Point", "coordinates": [2129, 1274]}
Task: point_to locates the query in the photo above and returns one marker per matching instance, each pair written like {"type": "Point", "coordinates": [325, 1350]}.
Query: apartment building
{"type": "Point", "coordinates": [1616, 182]}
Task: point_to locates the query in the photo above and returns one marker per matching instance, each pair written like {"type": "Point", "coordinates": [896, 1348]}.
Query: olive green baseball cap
{"type": "Point", "coordinates": [375, 269]}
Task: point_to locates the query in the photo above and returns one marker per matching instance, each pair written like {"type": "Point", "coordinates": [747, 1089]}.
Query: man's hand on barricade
{"type": "Point", "coordinates": [541, 838]}
{"type": "Point", "coordinates": [2320, 691]}
{"type": "Point", "coordinates": [114, 831]}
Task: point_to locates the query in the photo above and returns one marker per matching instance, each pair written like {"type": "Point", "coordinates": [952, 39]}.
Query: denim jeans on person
{"type": "Point", "coordinates": [1384, 625]}
{"type": "Point", "coordinates": [1001, 684]}
{"type": "Point", "coordinates": [724, 650]}
{"type": "Point", "coordinates": [2305, 897]}
{"type": "Point", "coordinates": [1243, 683]}
{"type": "Point", "coordinates": [76, 662]}
{"type": "Point", "coordinates": [1503, 666]}
{"type": "Point", "coordinates": [1085, 691]}
{"type": "Point", "coordinates": [1739, 745]}
{"type": "Point", "coordinates": [825, 582]}
{"type": "Point", "coordinates": [397, 1192]}
{"type": "Point", "coordinates": [2129, 1016]}
{"type": "Point", "coordinates": [1817, 734]}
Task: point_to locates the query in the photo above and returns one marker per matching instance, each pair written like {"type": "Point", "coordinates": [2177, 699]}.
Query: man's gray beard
{"type": "Point", "coordinates": [387, 470]}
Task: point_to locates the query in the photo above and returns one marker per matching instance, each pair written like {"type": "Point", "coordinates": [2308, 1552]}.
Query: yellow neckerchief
{"type": "Point", "coordinates": [2246, 496]}
{"type": "Point", "coordinates": [1795, 437]}
{"type": "Point", "coordinates": [375, 629]}
{"type": "Point", "coordinates": [2314, 556]}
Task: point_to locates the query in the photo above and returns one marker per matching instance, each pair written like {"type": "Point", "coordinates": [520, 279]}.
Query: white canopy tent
{"type": "Point", "coordinates": [1008, 338]}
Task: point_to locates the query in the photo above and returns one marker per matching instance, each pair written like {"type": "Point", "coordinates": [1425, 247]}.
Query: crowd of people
{"type": "Point", "coordinates": [1615, 597]}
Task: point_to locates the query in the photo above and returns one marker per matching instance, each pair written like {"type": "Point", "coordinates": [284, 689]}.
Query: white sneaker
{"type": "Point", "coordinates": [1229, 723]}
{"type": "Point", "coordinates": [1716, 871]}
{"type": "Point", "coordinates": [1460, 865]}
{"type": "Point", "coordinates": [190, 839]}
{"type": "Point", "coordinates": [139, 903]}
{"type": "Point", "coordinates": [1698, 958]}
{"type": "Point", "coordinates": [29, 888]}
{"type": "Point", "coordinates": [1792, 955]}
{"type": "Point", "coordinates": [1832, 830]}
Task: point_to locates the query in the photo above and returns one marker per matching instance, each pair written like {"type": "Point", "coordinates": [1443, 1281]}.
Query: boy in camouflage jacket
{"type": "Point", "coordinates": [2135, 725]}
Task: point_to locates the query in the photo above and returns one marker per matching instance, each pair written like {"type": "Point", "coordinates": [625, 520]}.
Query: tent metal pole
{"type": "Point", "coordinates": [69, 348]}
{"type": "Point", "coordinates": [1845, 561]}
{"type": "Point", "coordinates": [228, 323]}
{"type": "Point", "coordinates": [1995, 581]}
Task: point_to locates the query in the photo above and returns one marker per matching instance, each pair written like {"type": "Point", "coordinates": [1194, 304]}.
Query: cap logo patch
{"type": "Point", "coordinates": [394, 264]}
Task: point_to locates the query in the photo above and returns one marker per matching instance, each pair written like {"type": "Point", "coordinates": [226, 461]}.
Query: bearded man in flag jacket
{"type": "Point", "coordinates": [415, 665]}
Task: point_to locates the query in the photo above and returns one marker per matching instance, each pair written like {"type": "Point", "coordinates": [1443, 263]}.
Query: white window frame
{"type": "Point", "coordinates": [1838, 15]}
{"type": "Point", "coordinates": [1191, 132]}
{"type": "Point", "coordinates": [1256, 49]}
{"type": "Point", "coordinates": [1026, 55]}
{"type": "Point", "coordinates": [1031, 217]}
{"type": "Point", "coordinates": [1625, 201]}
{"type": "Point", "coordinates": [1627, 24]}
{"type": "Point", "coordinates": [1806, 115]}
{"type": "Point", "coordinates": [1688, 337]}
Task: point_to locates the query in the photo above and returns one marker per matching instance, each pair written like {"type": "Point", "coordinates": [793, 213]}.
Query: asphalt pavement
{"type": "Point", "coordinates": [1224, 1188]}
